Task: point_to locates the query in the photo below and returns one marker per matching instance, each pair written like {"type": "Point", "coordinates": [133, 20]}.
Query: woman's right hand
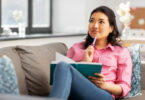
{"type": "Point", "coordinates": [88, 54]}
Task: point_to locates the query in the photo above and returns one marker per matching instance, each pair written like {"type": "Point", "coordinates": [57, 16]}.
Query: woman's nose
{"type": "Point", "coordinates": [96, 25]}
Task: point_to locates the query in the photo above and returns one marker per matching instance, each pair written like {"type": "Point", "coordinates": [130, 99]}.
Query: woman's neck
{"type": "Point", "coordinates": [101, 44]}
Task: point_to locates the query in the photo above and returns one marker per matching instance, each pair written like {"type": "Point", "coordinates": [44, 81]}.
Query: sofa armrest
{"type": "Point", "coordinates": [22, 97]}
{"type": "Point", "coordinates": [142, 75]}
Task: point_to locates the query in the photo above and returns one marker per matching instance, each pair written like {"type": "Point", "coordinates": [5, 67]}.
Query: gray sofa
{"type": "Point", "coordinates": [32, 69]}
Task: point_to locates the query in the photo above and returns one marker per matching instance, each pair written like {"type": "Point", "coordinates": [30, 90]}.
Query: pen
{"type": "Point", "coordinates": [93, 44]}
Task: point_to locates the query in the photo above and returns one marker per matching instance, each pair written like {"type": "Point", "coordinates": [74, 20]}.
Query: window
{"type": "Point", "coordinates": [35, 15]}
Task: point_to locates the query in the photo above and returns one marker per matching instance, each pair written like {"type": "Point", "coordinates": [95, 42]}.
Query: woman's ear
{"type": "Point", "coordinates": [111, 29]}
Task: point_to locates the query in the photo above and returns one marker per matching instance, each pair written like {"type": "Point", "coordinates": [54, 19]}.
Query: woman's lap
{"type": "Point", "coordinates": [81, 87]}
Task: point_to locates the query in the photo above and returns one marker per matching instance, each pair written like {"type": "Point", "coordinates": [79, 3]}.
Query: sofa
{"type": "Point", "coordinates": [31, 64]}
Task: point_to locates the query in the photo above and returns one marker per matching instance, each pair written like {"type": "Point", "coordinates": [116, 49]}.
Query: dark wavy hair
{"type": "Point", "coordinates": [112, 38]}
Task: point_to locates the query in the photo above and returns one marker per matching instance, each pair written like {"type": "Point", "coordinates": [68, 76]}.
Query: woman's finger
{"type": "Point", "coordinates": [91, 77]}
{"type": "Point", "coordinates": [99, 75]}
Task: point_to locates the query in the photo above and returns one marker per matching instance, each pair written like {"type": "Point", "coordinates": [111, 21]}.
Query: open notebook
{"type": "Point", "coordinates": [85, 68]}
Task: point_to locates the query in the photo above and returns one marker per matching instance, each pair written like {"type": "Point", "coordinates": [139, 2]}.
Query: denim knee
{"type": "Point", "coordinates": [62, 66]}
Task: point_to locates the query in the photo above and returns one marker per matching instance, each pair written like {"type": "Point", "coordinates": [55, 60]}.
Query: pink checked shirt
{"type": "Point", "coordinates": [117, 63]}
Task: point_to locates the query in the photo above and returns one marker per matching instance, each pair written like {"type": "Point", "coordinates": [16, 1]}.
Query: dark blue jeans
{"type": "Point", "coordinates": [69, 82]}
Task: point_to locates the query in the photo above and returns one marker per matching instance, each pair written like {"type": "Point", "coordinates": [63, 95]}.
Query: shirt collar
{"type": "Point", "coordinates": [110, 46]}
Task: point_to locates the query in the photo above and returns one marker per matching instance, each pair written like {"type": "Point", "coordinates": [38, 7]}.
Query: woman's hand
{"type": "Point", "coordinates": [99, 80]}
{"type": "Point", "coordinates": [88, 54]}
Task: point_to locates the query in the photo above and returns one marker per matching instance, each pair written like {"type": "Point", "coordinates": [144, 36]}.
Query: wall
{"type": "Point", "coordinates": [71, 16]}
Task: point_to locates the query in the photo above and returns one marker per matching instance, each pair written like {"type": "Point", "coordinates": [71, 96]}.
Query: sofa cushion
{"type": "Point", "coordinates": [143, 75]}
{"type": "Point", "coordinates": [35, 62]}
{"type": "Point", "coordinates": [140, 97]}
{"type": "Point", "coordinates": [8, 79]}
{"type": "Point", "coordinates": [12, 54]}
{"type": "Point", "coordinates": [136, 72]}
{"type": "Point", "coordinates": [58, 46]}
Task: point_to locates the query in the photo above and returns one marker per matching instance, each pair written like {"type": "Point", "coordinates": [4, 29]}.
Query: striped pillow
{"type": "Point", "coordinates": [8, 79]}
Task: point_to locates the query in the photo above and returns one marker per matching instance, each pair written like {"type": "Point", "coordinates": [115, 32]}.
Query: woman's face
{"type": "Point", "coordinates": [99, 26]}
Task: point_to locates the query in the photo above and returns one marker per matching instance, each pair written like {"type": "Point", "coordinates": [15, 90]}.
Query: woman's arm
{"type": "Point", "coordinates": [110, 87]}
{"type": "Point", "coordinates": [114, 89]}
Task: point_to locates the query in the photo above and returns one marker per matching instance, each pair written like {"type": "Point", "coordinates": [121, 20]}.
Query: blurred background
{"type": "Point", "coordinates": [61, 16]}
{"type": "Point", "coordinates": [33, 22]}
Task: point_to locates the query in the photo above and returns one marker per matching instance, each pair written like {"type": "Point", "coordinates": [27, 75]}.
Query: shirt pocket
{"type": "Point", "coordinates": [109, 61]}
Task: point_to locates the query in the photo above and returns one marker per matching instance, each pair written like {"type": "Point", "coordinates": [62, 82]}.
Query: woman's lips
{"type": "Point", "coordinates": [95, 31]}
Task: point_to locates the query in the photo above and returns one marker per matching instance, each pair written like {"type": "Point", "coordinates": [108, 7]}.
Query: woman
{"type": "Point", "coordinates": [115, 77]}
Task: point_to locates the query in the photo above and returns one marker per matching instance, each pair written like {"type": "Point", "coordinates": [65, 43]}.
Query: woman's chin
{"type": "Point", "coordinates": [94, 35]}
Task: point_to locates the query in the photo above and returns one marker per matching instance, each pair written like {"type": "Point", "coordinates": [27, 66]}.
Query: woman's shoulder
{"type": "Point", "coordinates": [79, 45]}
{"type": "Point", "coordinates": [120, 49]}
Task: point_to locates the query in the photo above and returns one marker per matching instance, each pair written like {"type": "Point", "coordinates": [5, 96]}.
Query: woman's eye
{"type": "Point", "coordinates": [91, 20]}
{"type": "Point", "coordinates": [102, 22]}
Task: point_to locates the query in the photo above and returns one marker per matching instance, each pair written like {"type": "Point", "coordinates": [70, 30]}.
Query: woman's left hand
{"type": "Point", "coordinates": [99, 80]}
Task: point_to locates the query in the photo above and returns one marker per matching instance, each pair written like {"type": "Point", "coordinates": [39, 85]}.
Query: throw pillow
{"type": "Point", "coordinates": [13, 55]}
{"type": "Point", "coordinates": [8, 79]}
{"type": "Point", "coordinates": [136, 72]}
{"type": "Point", "coordinates": [35, 62]}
